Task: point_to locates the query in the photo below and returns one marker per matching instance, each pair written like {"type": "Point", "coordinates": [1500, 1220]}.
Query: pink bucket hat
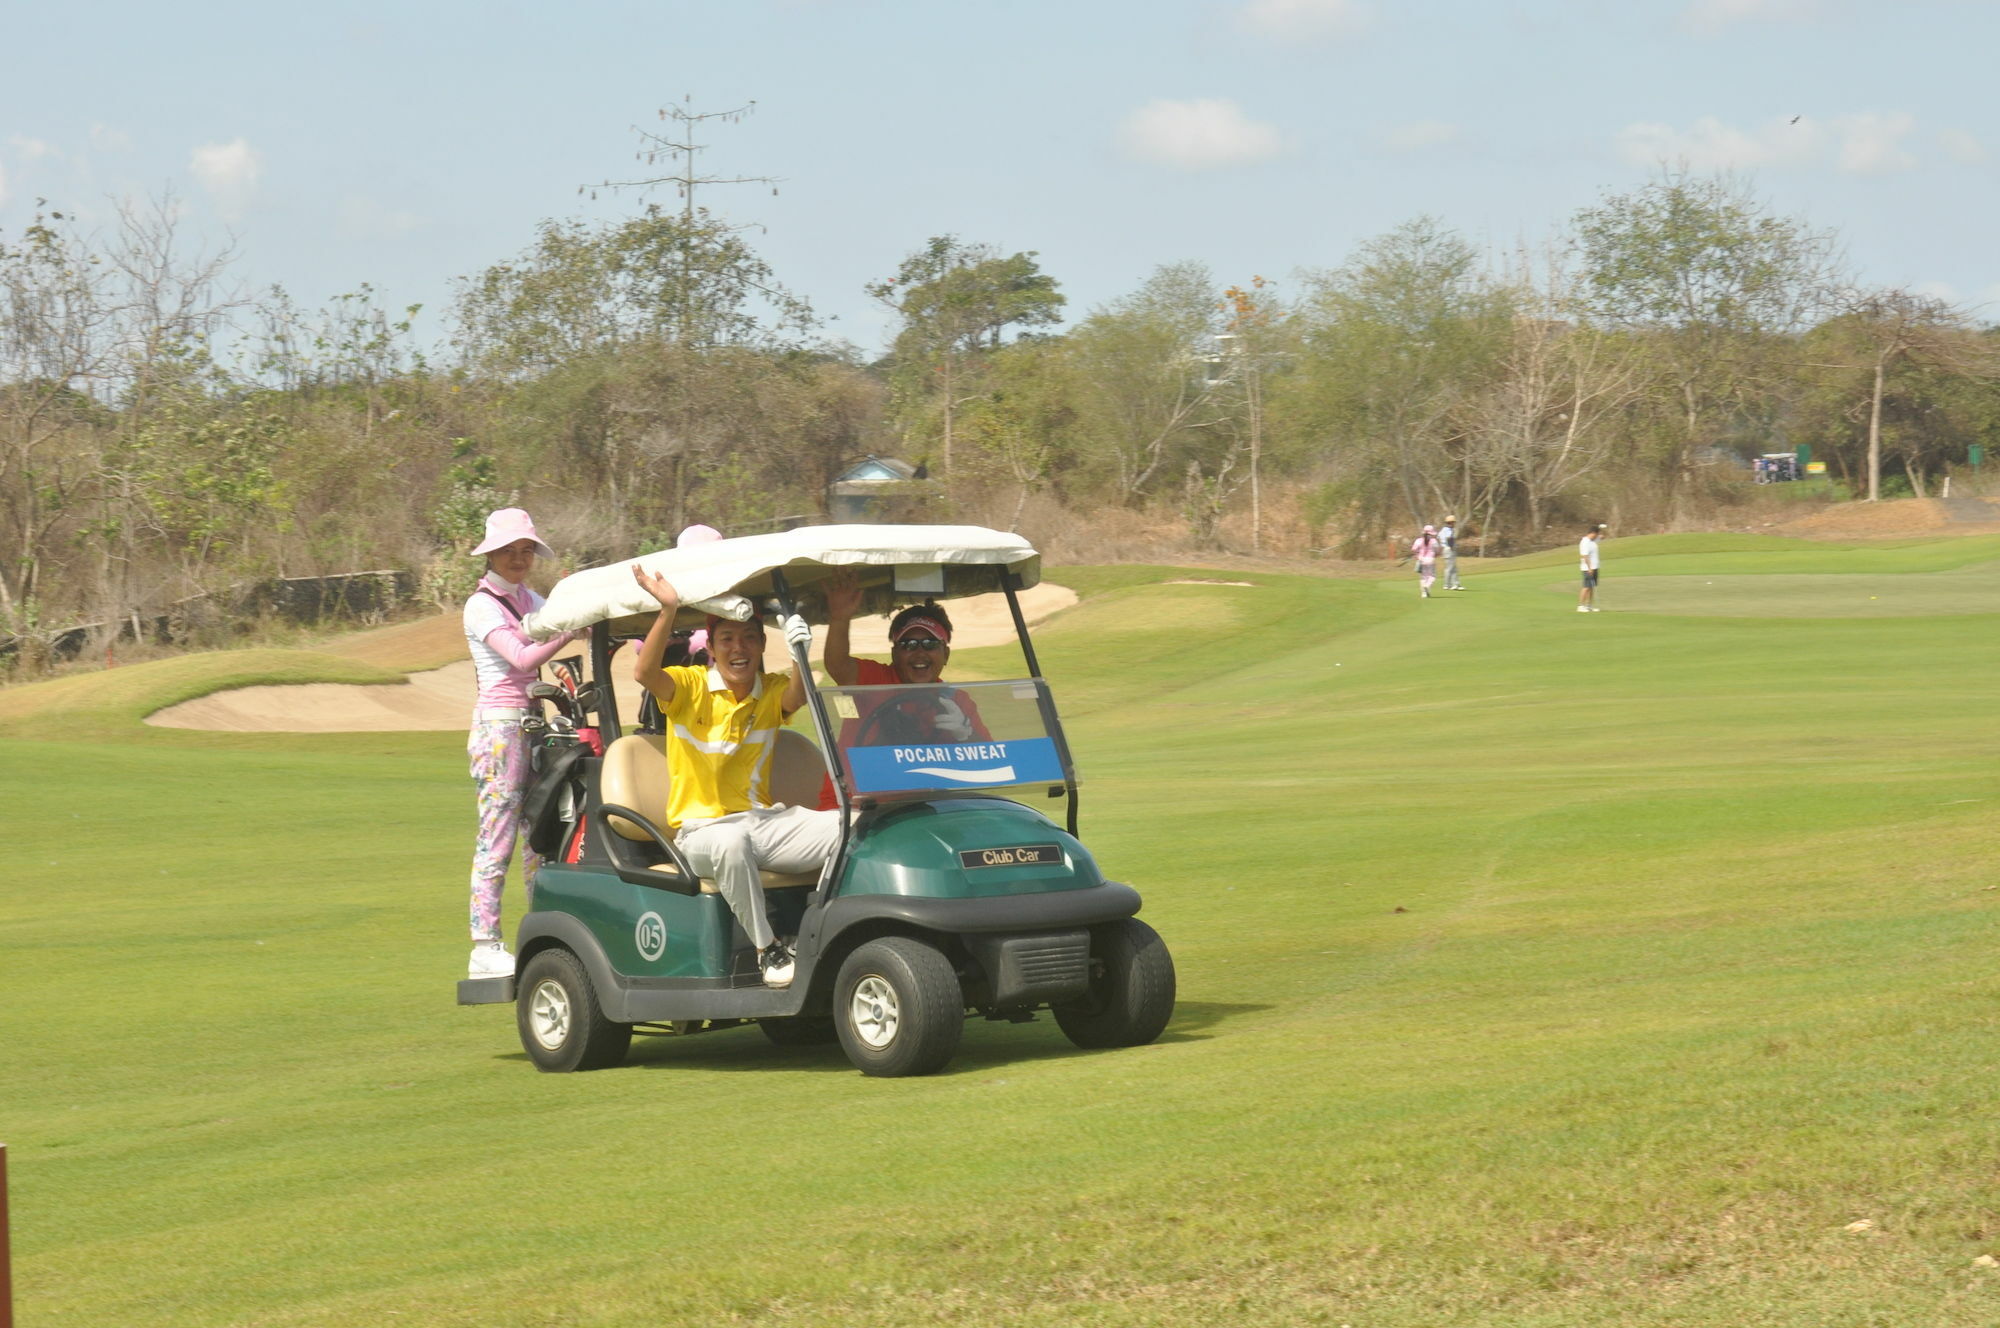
{"type": "Point", "coordinates": [507, 525]}
{"type": "Point", "coordinates": [697, 535]}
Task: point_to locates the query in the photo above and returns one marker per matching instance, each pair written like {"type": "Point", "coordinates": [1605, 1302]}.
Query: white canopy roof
{"type": "Point", "coordinates": [724, 577]}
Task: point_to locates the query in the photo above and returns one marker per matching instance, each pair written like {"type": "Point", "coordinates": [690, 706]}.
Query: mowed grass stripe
{"type": "Point", "coordinates": [1693, 971]}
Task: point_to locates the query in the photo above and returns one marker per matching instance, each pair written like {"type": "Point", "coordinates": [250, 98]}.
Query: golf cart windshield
{"type": "Point", "coordinates": [967, 736]}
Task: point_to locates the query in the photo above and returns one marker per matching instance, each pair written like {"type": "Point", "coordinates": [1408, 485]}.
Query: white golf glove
{"type": "Point", "coordinates": [798, 632]}
{"type": "Point", "coordinates": [951, 721]}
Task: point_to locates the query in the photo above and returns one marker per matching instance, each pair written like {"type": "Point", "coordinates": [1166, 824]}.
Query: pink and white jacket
{"type": "Point", "coordinates": [506, 660]}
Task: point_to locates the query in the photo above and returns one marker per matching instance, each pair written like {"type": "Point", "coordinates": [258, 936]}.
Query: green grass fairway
{"type": "Point", "coordinates": [1964, 590]}
{"type": "Point", "coordinates": [1537, 969]}
{"type": "Point", "coordinates": [1766, 576]}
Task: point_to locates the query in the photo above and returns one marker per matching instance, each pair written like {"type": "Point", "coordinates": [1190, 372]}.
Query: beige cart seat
{"type": "Point", "coordinates": [634, 775]}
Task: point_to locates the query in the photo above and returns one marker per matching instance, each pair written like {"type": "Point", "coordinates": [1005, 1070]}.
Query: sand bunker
{"type": "Point", "coordinates": [441, 699]}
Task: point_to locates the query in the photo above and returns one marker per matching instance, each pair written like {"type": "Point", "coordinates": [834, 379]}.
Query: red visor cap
{"type": "Point", "coordinates": [924, 624]}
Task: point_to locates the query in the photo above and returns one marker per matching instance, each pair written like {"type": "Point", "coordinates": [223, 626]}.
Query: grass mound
{"type": "Point", "coordinates": [412, 647]}
{"type": "Point", "coordinates": [114, 701]}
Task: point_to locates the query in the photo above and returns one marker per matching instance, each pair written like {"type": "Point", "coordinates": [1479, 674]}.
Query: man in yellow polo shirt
{"type": "Point", "coordinates": [722, 729]}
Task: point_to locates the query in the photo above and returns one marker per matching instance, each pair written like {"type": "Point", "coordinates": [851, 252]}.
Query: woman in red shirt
{"type": "Point", "coordinates": [919, 648]}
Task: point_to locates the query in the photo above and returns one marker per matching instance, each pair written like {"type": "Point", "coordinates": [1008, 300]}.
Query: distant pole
{"type": "Point", "coordinates": [6, 1272]}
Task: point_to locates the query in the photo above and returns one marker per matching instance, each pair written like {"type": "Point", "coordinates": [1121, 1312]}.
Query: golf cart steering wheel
{"type": "Point", "coordinates": [890, 723]}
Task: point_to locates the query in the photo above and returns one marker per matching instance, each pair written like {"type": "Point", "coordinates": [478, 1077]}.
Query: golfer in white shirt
{"type": "Point", "coordinates": [1586, 557]}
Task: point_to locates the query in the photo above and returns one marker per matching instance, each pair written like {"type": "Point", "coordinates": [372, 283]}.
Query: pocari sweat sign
{"type": "Point", "coordinates": [955, 765]}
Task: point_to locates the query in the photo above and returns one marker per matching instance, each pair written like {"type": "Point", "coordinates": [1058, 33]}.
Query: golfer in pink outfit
{"type": "Point", "coordinates": [507, 662]}
{"type": "Point", "coordinates": [1425, 548]}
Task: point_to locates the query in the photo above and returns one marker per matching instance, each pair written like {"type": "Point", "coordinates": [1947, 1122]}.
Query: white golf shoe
{"type": "Point", "coordinates": [776, 963]}
{"type": "Point", "coordinates": [490, 959]}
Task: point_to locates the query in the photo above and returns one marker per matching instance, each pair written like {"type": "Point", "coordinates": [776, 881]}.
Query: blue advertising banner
{"type": "Point", "coordinates": [956, 765]}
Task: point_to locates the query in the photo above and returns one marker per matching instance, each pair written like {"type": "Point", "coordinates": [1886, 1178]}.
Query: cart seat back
{"type": "Point", "coordinates": [634, 774]}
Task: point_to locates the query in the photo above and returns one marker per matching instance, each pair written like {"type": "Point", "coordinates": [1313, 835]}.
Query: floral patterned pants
{"type": "Point", "coordinates": [500, 772]}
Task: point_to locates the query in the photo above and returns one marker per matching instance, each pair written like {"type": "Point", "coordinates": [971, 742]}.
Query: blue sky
{"type": "Point", "coordinates": [409, 144]}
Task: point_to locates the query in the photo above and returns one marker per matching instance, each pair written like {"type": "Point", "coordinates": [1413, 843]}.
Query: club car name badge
{"type": "Point", "coordinates": [1018, 855]}
{"type": "Point", "coordinates": [956, 765]}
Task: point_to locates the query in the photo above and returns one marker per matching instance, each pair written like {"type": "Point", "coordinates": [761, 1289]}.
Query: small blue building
{"type": "Point", "coordinates": [880, 489]}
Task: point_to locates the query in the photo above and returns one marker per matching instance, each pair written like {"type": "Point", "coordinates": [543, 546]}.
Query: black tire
{"type": "Point", "coordinates": [805, 1030]}
{"type": "Point", "coordinates": [1131, 995]}
{"type": "Point", "coordinates": [562, 1026]}
{"type": "Point", "coordinates": [898, 1008]}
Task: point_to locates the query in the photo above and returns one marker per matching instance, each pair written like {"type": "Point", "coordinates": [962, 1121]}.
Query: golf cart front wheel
{"type": "Point", "coordinates": [898, 1008]}
{"type": "Point", "coordinates": [1131, 994]}
{"type": "Point", "coordinates": [562, 1026]}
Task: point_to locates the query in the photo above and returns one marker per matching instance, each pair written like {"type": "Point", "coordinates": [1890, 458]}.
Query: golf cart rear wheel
{"type": "Point", "coordinates": [898, 1008]}
{"type": "Point", "coordinates": [1131, 993]}
{"type": "Point", "coordinates": [562, 1026]}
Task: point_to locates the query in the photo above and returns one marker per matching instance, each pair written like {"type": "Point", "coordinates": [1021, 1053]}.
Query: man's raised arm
{"type": "Point", "coordinates": [648, 671]}
{"type": "Point", "coordinates": [843, 601]}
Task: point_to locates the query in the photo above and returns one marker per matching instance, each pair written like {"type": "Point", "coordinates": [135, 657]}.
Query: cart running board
{"type": "Point", "coordinates": [485, 991]}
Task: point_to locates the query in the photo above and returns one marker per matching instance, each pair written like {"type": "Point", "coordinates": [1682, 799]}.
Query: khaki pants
{"type": "Point", "coordinates": [731, 850]}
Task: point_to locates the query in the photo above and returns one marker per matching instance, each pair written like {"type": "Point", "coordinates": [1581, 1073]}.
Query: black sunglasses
{"type": "Point", "coordinates": [919, 643]}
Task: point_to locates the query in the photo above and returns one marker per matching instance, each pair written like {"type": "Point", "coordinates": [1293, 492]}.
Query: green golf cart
{"type": "Point", "coordinates": [951, 892]}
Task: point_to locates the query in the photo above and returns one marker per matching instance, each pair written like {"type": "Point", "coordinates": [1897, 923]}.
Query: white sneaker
{"type": "Point", "coordinates": [1595, 609]}
{"type": "Point", "coordinates": [775, 961]}
{"type": "Point", "coordinates": [490, 959]}
{"type": "Point", "coordinates": [1582, 609]}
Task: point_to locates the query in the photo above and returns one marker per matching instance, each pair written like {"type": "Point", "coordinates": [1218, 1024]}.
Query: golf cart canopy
{"type": "Point", "coordinates": [725, 577]}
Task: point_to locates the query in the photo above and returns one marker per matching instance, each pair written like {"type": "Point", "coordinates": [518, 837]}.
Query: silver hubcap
{"type": "Point", "coordinates": [548, 1014]}
{"type": "Point", "coordinates": [874, 1012]}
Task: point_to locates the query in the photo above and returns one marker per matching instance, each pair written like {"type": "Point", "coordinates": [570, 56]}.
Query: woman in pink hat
{"type": "Point", "coordinates": [1425, 549]}
{"type": "Point", "coordinates": [507, 663]}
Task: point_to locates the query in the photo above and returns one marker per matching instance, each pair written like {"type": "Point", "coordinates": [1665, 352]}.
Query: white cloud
{"type": "Point", "coordinates": [1310, 20]}
{"type": "Point", "coordinates": [1711, 145]}
{"type": "Point", "coordinates": [103, 138]}
{"type": "Point", "coordinates": [1709, 17]}
{"type": "Point", "coordinates": [1196, 135]}
{"type": "Point", "coordinates": [1862, 143]}
{"type": "Point", "coordinates": [1420, 134]}
{"type": "Point", "coordinates": [3, 186]}
{"type": "Point", "coordinates": [229, 172]}
{"type": "Point", "coordinates": [1961, 146]}
{"type": "Point", "coordinates": [1872, 144]}
{"type": "Point", "coordinates": [33, 149]}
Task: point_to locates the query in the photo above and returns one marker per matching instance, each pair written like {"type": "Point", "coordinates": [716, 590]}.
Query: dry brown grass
{"type": "Point", "coordinates": [1893, 519]}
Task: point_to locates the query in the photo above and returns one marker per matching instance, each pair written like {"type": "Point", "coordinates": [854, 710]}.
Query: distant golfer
{"type": "Point", "coordinates": [1425, 548]}
{"type": "Point", "coordinates": [506, 663]}
{"type": "Point", "coordinates": [1448, 536]}
{"type": "Point", "coordinates": [1586, 558]}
